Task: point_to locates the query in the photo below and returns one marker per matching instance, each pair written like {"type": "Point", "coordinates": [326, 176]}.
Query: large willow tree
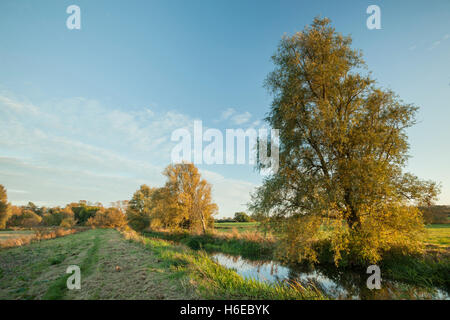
{"type": "Point", "coordinates": [343, 145]}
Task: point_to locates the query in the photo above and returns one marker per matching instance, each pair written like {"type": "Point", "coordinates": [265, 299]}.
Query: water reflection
{"type": "Point", "coordinates": [337, 284]}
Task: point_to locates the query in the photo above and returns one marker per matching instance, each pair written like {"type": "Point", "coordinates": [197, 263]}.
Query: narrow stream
{"type": "Point", "coordinates": [335, 284]}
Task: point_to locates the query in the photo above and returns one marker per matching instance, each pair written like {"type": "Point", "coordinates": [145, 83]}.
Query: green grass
{"type": "Point", "coordinates": [425, 271]}
{"type": "Point", "coordinates": [213, 281]}
{"type": "Point", "coordinates": [38, 270]}
{"type": "Point", "coordinates": [239, 226]}
{"type": "Point", "coordinates": [215, 243]}
{"type": "Point", "coordinates": [28, 270]}
{"type": "Point", "coordinates": [115, 268]}
{"type": "Point", "coordinates": [439, 234]}
{"type": "Point", "coordinates": [58, 288]}
{"type": "Point", "coordinates": [430, 270]}
{"type": "Point", "coordinates": [170, 268]}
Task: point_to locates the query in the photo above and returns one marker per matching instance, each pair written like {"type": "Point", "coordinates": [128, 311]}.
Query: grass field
{"type": "Point", "coordinates": [146, 267]}
{"type": "Point", "coordinates": [14, 234]}
{"type": "Point", "coordinates": [437, 234]}
{"type": "Point", "coordinates": [239, 226]}
{"type": "Point", "coordinates": [115, 268]}
{"type": "Point", "coordinates": [17, 238]}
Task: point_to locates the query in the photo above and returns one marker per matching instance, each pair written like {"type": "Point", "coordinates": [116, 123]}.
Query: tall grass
{"type": "Point", "coordinates": [39, 234]}
{"type": "Point", "coordinates": [428, 270]}
{"type": "Point", "coordinates": [432, 270]}
{"type": "Point", "coordinates": [252, 245]}
{"type": "Point", "coordinates": [214, 281]}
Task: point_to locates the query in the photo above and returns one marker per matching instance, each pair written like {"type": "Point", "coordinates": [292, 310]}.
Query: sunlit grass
{"type": "Point", "coordinates": [239, 226]}
{"type": "Point", "coordinates": [438, 234]}
{"type": "Point", "coordinates": [10, 234]}
{"type": "Point", "coordinates": [17, 238]}
{"type": "Point", "coordinates": [214, 281]}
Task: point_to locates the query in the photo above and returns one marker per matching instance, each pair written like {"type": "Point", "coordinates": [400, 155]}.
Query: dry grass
{"type": "Point", "coordinates": [253, 236]}
{"type": "Point", "coordinates": [18, 238]}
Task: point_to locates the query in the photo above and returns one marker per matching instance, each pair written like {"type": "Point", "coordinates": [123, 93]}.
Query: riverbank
{"type": "Point", "coordinates": [428, 270]}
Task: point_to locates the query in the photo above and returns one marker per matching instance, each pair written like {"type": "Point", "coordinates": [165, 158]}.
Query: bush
{"type": "Point", "coordinates": [242, 217]}
{"type": "Point", "coordinates": [109, 218]}
{"type": "Point", "coordinates": [67, 222]}
{"type": "Point", "coordinates": [26, 219]}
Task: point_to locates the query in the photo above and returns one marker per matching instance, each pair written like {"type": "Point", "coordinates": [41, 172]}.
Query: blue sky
{"type": "Point", "coordinates": [88, 114]}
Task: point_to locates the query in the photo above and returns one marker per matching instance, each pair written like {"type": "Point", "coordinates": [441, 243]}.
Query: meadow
{"type": "Point", "coordinates": [15, 234]}
{"type": "Point", "coordinates": [127, 266]}
{"type": "Point", "coordinates": [168, 265]}
{"type": "Point", "coordinates": [239, 226]}
{"type": "Point", "coordinates": [20, 237]}
{"type": "Point", "coordinates": [437, 234]}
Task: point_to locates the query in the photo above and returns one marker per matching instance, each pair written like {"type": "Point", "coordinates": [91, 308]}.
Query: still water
{"type": "Point", "coordinates": [335, 284]}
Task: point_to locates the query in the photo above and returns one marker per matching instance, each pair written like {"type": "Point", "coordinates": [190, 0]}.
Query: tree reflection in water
{"type": "Point", "coordinates": [335, 283]}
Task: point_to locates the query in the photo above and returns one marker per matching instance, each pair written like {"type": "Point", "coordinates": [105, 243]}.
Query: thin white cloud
{"type": "Point", "coordinates": [234, 117]}
{"type": "Point", "coordinates": [65, 150]}
{"type": "Point", "coordinates": [17, 191]}
{"type": "Point", "coordinates": [241, 118]}
{"type": "Point", "coordinates": [227, 113]}
{"type": "Point", "coordinates": [439, 42]}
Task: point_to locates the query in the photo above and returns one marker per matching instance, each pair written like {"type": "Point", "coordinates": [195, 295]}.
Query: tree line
{"type": "Point", "coordinates": [183, 203]}
{"type": "Point", "coordinates": [74, 214]}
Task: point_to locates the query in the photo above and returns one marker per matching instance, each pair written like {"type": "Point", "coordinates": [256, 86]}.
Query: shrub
{"type": "Point", "coordinates": [242, 217]}
{"type": "Point", "coordinates": [109, 218]}
{"type": "Point", "coordinates": [68, 222]}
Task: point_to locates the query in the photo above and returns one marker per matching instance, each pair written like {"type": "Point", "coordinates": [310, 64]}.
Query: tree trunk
{"type": "Point", "coordinates": [352, 218]}
{"type": "Point", "coordinates": [202, 217]}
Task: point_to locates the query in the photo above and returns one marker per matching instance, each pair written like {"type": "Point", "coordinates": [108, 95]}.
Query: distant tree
{"type": "Point", "coordinates": [32, 207]}
{"type": "Point", "coordinates": [242, 217]}
{"type": "Point", "coordinates": [226, 219]}
{"type": "Point", "coordinates": [5, 211]}
{"type": "Point", "coordinates": [139, 209]}
{"type": "Point", "coordinates": [436, 214]}
{"type": "Point", "coordinates": [108, 218]}
{"type": "Point", "coordinates": [28, 219]}
{"type": "Point", "coordinates": [120, 204]}
{"type": "Point", "coordinates": [67, 222]}
{"type": "Point", "coordinates": [15, 214]}
{"type": "Point", "coordinates": [59, 217]}
{"type": "Point", "coordinates": [343, 145]}
{"type": "Point", "coordinates": [189, 197]}
{"type": "Point", "coordinates": [83, 211]}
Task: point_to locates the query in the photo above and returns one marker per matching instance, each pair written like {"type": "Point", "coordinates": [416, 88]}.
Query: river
{"type": "Point", "coordinates": [335, 284]}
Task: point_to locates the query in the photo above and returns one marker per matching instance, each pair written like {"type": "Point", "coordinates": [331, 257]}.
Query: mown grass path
{"type": "Point", "coordinates": [111, 268]}
{"type": "Point", "coordinates": [138, 268]}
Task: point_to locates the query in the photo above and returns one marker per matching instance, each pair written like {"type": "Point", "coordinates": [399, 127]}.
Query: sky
{"type": "Point", "coordinates": [88, 114]}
